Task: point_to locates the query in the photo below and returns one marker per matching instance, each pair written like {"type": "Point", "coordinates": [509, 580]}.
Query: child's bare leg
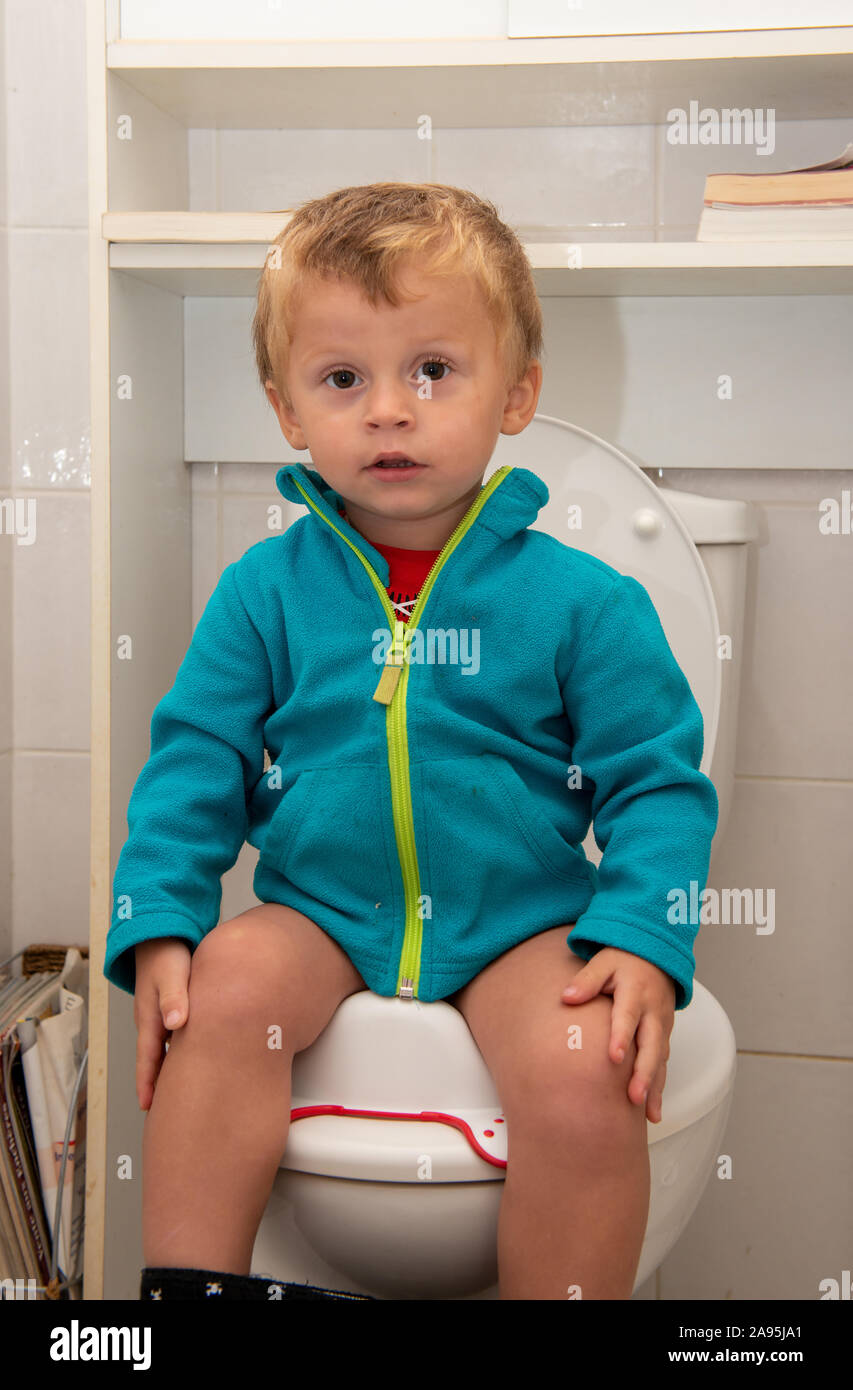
{"type": "Point", "coordinates": [576, 1197]}
{"type": "Point", "coordinates": [218, 1122]}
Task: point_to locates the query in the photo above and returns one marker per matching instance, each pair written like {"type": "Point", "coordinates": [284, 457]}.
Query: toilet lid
{"type": "Point", "coordinates": [620, 516]}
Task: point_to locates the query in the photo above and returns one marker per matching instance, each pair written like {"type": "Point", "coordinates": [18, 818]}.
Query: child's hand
{"type": "Point", "coordinates": [643, 1002]}
{"type": "Point", "coordinates": [162, 977]}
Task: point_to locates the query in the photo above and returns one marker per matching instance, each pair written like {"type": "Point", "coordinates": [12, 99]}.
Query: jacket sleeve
{"type": "Point", "coordinates": [638, 735]}
{"type": "Point", "coordinates": [187, 816]}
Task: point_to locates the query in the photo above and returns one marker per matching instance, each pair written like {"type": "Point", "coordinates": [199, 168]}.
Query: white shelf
{"type": "Point", "coordinates": [626, 80]}
{"type": "Point", "coordinates": [617, 48]}
{"type": "Point", "coordinates": [223, 254]}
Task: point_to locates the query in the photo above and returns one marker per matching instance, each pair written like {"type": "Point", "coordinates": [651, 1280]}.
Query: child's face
{"type": "Point", "coordinates": [355, 377]}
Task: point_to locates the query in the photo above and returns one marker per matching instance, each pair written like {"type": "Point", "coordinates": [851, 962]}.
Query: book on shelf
{"type": "Point", "coordinates": [811, 204]}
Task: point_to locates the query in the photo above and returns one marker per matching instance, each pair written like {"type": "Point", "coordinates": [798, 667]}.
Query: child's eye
{"type": "Point", "coordinates": [434, 362]}
{"type": "Point", "coordinates": [348, 372]}
{"type": "Point", "coordinates": [340, 371]}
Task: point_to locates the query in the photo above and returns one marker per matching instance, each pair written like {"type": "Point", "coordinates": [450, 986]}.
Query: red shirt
{"type": "Point", "coordinates": [409, 569]}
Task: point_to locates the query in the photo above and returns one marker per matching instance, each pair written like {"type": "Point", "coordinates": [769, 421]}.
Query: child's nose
{"type": "Point", "coordinates": [389, 401]}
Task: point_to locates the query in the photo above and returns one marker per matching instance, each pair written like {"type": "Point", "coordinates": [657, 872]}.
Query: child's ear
{"type": "Point", "coordinates": [287, 420]}
{"type": "Point", "coordinates": [522, 401]}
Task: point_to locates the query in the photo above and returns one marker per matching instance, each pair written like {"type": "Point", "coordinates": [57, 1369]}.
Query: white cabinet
{"type": "Point", "coordinates": [575, 18]}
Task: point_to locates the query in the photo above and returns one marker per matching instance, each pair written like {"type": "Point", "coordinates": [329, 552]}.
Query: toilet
{"type": "Point", "coordinates": [393, 1172]}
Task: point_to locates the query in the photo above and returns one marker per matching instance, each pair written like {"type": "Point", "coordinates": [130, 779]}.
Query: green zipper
{"type": "Point", "coordinates": [393, 683]}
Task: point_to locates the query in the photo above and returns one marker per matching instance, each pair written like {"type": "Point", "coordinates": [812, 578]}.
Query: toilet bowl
{"type": "Point", "coordinates": [394, 1166]}
{"type": "Point", "coordinates": [394, 1189]}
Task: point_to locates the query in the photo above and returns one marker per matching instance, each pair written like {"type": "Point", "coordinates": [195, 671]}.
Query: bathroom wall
{"type": "Point", "coordinates": [47, 817]}
{"type": "Point", "coordinates": [782, 1222]}
{"type": "Point", "coordinates": [5, 546]}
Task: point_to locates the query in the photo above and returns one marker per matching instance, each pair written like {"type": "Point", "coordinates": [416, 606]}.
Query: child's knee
{"type": "Point", "coordinates": [566, 1081]}
{"type": "Point", "coordinates": [236, 977]}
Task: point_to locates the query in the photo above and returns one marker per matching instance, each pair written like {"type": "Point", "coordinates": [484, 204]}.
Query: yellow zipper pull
{"type": "Point", "coordinates": [384, 691]}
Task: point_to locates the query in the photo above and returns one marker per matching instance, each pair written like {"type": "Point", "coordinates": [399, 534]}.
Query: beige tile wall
{"type": "Point", "coordinates": [783, 1222]}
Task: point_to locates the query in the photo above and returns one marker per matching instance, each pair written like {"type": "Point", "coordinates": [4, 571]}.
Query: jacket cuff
{"type": "Point", "coordinates": [120, 958]}
{"type": "Point", "coordinates": [589, 934]}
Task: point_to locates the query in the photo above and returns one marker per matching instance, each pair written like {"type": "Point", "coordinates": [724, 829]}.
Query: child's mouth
{"type": "Point", "coordinates": [398, 468]}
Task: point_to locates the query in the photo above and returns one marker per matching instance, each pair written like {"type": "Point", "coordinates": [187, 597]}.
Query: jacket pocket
{"type": "Point", "coordinates": [328, 839]}
{"type": "Point", "coordinates": [285, 819]}
{"type": "Point", "coordinates": [545, 840]}
{"type": "Point", "coordinates": [493, 854]}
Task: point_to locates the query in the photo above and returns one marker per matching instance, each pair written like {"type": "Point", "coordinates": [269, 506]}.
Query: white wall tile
{"type": "Point", "coordinates": [7, 569]}
{"type": "Point", "coordinates": [245, 521]}
{"type": "Point", "coordinates": [597, 176]}
{"type": "Point", "coordinates": [5, 553]}
{"type": "Point", "coordinates": [204, 479]}
{"type": "Point", "coordinates": [5, 362]}
{"type": "Point", "coordinates": [782, 1223]}
{"type": "Point", "coordinates": [798, 661]}
{"type": "Point", "coordinates": [49, 377]}
{"type": "Point", "coordinates": [52, 628]}
{"type": "Point", "coordinates": [4, 131]}
{"type": "Point", "coordinates": [643, 374]}
{"type": "Point", "coordinates": [786, 990]}
{"type": "Point", "coordinates": [50, 849]}
{"type": "Point", "coordinates": [263, 170]}
{"type": "Point", "coordinates": [6, 936]}
{"type": "Point", "coordinates": [594, 177]}
{"type": "Point", "coordinates": [46, 100]}
{"type": "Point", "coordinates": [260, 477]}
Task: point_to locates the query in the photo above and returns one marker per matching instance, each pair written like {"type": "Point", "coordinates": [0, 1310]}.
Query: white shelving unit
{"type": "Point", "coordinates": [149, 249]}
{"type": "Point", "coordinates": [221, 253]}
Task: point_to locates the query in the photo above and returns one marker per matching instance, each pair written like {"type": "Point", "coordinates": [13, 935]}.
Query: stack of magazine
{"type": "Point", "coordinates": [43, 1043]}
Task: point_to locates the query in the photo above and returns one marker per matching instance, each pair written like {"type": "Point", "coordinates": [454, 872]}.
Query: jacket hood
{"type": "Point", "coordinates": [513, 505]}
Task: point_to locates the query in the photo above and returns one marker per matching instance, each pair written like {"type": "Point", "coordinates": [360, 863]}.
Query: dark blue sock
{"type": "Point", "coordinates": [164, 1284]}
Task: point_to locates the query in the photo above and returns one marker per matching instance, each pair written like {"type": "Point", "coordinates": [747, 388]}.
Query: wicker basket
{"type": "Point", "coordinates": [37, 959]}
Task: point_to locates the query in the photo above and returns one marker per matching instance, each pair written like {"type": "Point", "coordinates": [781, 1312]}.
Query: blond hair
{"type": "Point", "coordinates": [361, 234]}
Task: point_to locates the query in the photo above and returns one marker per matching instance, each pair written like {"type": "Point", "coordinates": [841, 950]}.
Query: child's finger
{"type": "Point", "coordinates": [174, 1006]}
{"type": "Point", "coordinates": [650, 1054]}
{"type": "Point", "coordinates": [624, 1018]}
{"type": "Point", "coordinates": [654, 1108]}
{"type": "Point", "coordinates": [586, 984]}
{"type": "Point", "coordinates": [149, 1056]}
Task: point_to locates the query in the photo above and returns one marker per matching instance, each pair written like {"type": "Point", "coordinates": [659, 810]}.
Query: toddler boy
{"type": "Point", "coordinates": [448, 698]}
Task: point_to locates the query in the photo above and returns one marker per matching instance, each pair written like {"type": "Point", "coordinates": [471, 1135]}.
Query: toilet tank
{"type": "Point", "coordinates": [720, 528]}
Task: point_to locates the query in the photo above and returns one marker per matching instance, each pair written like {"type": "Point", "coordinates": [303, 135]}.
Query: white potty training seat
{"type": "Point", "coordinates": [392, 1082]}
{"type": "Point", "coordinates": [388, 1079]}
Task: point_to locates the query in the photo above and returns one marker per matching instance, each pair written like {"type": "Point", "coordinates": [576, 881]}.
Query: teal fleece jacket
{"type": "Point", "coordinates": [429, 784]}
